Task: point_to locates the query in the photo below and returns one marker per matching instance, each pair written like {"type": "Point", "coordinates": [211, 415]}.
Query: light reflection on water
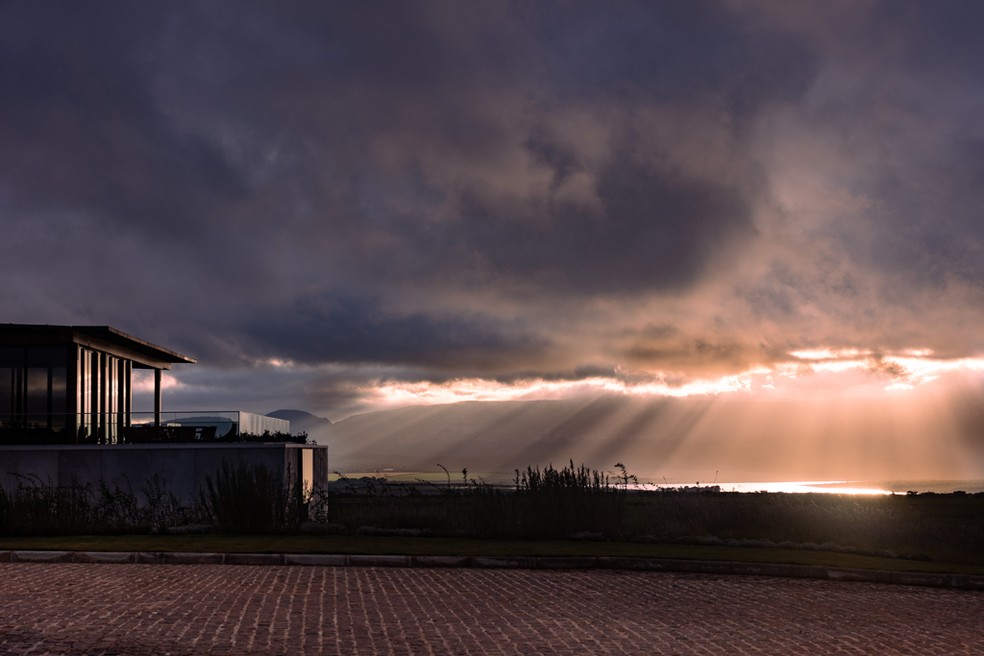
{"type": "Point", "coordinates": [847, 487]}
{"type": "Point", "coordinates": [787, 487]}
{"type": "Point", "coordinates": [825, 487]}
{"type": "Point", "coordinates": [793, 487]}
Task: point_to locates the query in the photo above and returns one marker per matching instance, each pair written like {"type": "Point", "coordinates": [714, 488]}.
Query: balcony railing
{"type": "Point", "coordinates": [144, 428]}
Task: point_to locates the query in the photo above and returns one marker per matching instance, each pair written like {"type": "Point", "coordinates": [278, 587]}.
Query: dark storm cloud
{"type": "Point", "coordinates": [82, 132]}
{"type": "Point", "coordinates": [354, 330]}
{"type": "Point", "coordinates": [693, 53]}
{"type": "Point", "coordinates": [881, 174]}
{"type": "Point", "coordinates": [416, 121]}
{"type": "Point", "coordinates": [668, 348]}
{"type": "Point", "coordinates": [655, 231]}
{"type": "Point", "coordinates": [452, 188]}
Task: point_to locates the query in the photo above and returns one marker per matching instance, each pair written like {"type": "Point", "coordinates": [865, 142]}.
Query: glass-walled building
{"type": "Point", "coordinates": [72, 384]}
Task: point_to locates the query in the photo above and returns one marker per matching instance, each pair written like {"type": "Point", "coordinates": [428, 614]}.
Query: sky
{"type": "Point", "coordinates": [346, 207]}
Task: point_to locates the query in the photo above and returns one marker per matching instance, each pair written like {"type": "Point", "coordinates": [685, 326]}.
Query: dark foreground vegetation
{"type": "Point", "coordinates": [576, 504]}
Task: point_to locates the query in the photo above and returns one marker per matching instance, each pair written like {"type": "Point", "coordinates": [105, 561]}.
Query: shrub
{"type": "Point", "coordinates": [43, 508]}
{"type": "Point", "coordinates": [556, 503]}
{"type": "Point", "coordinates": [251, 499]}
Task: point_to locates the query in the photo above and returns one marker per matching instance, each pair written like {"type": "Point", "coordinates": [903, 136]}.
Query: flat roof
{"type": "Point", "coordinates": [103, 338]}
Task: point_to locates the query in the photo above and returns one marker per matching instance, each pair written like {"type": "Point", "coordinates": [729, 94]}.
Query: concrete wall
{"type": "Point", "coordinates": [183, 467]}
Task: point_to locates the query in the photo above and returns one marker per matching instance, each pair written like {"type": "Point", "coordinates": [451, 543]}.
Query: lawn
{"type": "Point", "coordinates": [572, 511]}
{"type": "Point", "coordinates": [357, 544]}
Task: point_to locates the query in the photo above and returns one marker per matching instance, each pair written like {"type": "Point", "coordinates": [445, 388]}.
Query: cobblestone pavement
{"type": "Point", "coordinates": [226, 609]}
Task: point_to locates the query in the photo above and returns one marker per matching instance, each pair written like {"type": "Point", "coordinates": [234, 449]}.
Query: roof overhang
{"type": "Point", "coordinates": [107, 339]}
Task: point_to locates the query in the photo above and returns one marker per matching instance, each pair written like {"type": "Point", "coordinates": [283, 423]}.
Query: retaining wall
{"type": "Point", "coordinates": [183, 467]}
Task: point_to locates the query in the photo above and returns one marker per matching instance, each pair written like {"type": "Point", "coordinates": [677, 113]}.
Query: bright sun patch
{"type": "Point", "coordinates": [828, 354]}
{"type": "Point", "coordinates": [841, 370]}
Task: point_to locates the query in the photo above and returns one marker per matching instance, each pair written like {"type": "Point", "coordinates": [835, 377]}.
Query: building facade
{"type": "Point", "coordinates": [66, 418]}
{"type": "Point", "coordinates": [72, 384]}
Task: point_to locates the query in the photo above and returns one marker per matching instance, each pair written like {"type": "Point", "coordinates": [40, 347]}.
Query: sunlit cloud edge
{"type": "Point", "coordinates": [843, 371]}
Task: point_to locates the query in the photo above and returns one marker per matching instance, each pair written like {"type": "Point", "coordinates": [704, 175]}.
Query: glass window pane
{"type": "Point", "coordinates": [6, 392]}
{"type": "Point", "coordinates": [59, 397]}
{"type": "Point", "coordinates": [37, 395]}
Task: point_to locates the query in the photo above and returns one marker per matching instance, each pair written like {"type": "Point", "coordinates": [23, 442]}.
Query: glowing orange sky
{"type": "Point", "coordinates": [841, 414]}
{"type": "Point", "coordinates": [808, 371]}
{"type": "Point", "coordinates": [753, 218]}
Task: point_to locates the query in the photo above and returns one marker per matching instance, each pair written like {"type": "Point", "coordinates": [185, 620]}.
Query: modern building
{"type": "Point", "coordinates": [66, 414]}
{"type": "Point", "coordinates": [73, 385]}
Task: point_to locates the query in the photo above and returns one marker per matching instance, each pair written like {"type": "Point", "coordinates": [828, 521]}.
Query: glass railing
{"type": "Point", "coordinates": [143, 428]}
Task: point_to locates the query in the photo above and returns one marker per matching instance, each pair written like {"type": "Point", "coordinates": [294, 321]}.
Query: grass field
{"type": "Point", "coordinates": [571, 511]}
{"type": "Point", "coordinates": [468, 547]}
{"type": "Point", "coordinates": [928, 527]}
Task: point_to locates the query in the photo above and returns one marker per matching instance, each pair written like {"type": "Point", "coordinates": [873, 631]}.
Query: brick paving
{"type": "Point", "coordinates": [83, 609]}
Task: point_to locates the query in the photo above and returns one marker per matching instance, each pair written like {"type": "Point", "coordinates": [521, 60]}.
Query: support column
{"type": "Point", "coordinates": [157, 397]}
{"type": "Point", "coordinates": [99, 397]}
{"type": "Point", "coordinates": [73, 422]}
{"type": "Point", "coordinates": [123, 395]}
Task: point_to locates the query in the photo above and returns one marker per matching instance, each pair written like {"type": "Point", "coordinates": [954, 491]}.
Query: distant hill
{"type": "Point", "coordinates": [304, 422]}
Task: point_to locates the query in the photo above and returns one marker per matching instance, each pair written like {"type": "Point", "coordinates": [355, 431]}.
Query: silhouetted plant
{"type": "Point", "coordinates": [561, 502]}
{"type": "Point", "coordinates": [542, 503]}
{"type": "Point", "coordinates": [318, 505]}
{"type": "Point", "coordinates": [251, 499]}
{"type": "Point", "coordinates": [267, 436]}
{"type": "Point", "coordinates": [117, 509]}
{"type": "Point", "coordinates": [164, 510]}
{"type": "Point", "coordinates": [36, 507]}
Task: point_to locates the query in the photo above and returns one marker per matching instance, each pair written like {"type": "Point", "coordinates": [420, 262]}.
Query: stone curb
{"type": "Point", "coordinates": [518, 562]}
{"type": "Point", "coordinates": [924, 579]}
{"type": "Point", "coordinates": [319, 560]}
{"type": "Point", "coordinates": [368, 560]}
{"type": "Point", "coordinates": [105, 557]}
{"type": "Point", "coordinates": [180, 558]}
{"type": "Point", "coordinates": [42, 556]}
{"type": "Point", "coordinates": [441, 561]}
{"type": "Point", "coordinates": [254, 559]}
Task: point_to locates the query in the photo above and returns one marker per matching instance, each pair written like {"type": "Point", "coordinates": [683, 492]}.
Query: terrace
{"type": "Point", "coordinates": [145, 427]}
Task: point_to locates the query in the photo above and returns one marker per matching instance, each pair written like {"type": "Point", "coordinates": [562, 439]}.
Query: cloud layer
{"type": "Point", "coordinates": [334, 196]}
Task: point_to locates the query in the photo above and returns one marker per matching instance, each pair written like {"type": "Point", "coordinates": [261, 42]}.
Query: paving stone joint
{"type": "Point", "coordinates": [925, 579]}
{"type": "Point", "coordinates": [437, 605]}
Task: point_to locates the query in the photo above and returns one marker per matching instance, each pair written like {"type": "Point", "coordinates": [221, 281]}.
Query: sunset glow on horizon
{"type": "Point", "coordinates": [853, 370]}
{"type": "Point", "coordinates": [736, 235]}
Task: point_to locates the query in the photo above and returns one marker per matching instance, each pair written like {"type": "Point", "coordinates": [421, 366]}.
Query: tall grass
{"type": "Point", "coordinates": [37, 507]}
{"type": "Point", "coordinates": [542, 503]}
{"type": "Point", "coordinates": [45, 509]}
{"type": "Point", "coordinates": [245, 498]}
{"type": "Point", "coordinates": [565, 502]}
{"type": "Point", "coordinates": [575, 502]}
